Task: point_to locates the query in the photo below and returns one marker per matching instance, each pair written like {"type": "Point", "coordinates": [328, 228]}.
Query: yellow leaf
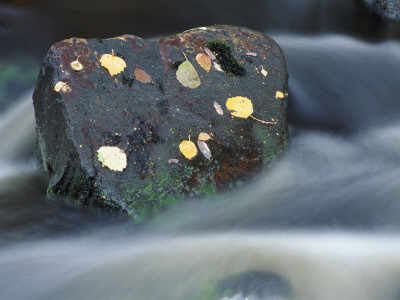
{"type": "Point", "coordinates": [241, 107]}
{"type": "Point", "coordinates": [279, 95]}
{"type": "Point", "coordinates": [204, 61]}
{"type": "Point", "coordinates": [187, 75]}
{"type": "Point", "coordinates": [203, 136]}
{"type": "Point", "coordinates": [62, 86]}
{"type": "Point", "coordinates": [113, 158]}
{"type": "Point", "coordinates": [76, 65]}
{"type": "Point", "coordinates": [113, 64]}
{"type": "Point", "coordinates": [188, 149]}
{"type": "Point", "coordinates": [142, 76]}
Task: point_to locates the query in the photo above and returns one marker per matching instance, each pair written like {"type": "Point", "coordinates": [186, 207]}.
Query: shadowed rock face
{"type": "Point", "coordinates": [81, 109]}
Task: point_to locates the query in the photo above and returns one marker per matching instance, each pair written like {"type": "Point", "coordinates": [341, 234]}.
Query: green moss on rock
{"type": "Point", "coordinates": [225, 58]}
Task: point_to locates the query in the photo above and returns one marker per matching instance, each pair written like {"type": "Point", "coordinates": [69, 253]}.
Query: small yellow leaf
{"type": "Point", "coordinates": [203, 136]}
{"type": "Point", "coordinates": [62, 86]}
{"type": "Point", "coordinates": [113, 158]}
{"type": "Point", "coordinates": [142, 76]}
{"type": "Point", "coordinates": [218, 108]}
{"type": "Point", "coordinates": [279, 95]}
{"type": "Point", "coordinates": [76, 65]}
{"type": "Point", "coordinates": [188, 149]}
{"type": "Point", "coordinates": [204, 149]}
{"type": "Point", "coordinates": [204, 61]}
{"type": "Point", "coordinates": [187, 75]}
{"type": "Point", "coordinates": [241, 107]}
{"type": "Point", "coordinates": [112, 63]}
{"type": "Point", "coordinates": [59, 85]}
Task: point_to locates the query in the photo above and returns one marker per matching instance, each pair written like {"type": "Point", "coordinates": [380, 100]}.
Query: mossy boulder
{"type": "Point", "coordinates": [134, 102]}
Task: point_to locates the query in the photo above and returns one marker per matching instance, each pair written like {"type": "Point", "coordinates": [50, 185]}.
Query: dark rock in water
{"type": "Point", "coordinates": [138, 125]}
{"type": "Point", "coordinates": [386, 8]}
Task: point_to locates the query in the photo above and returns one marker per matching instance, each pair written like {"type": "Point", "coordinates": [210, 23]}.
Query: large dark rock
{"type": "Point", "coordinates": [80, 108]}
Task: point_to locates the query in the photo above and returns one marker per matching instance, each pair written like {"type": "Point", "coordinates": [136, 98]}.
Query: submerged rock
{"type": "Point", "coordinates": [137, 125]}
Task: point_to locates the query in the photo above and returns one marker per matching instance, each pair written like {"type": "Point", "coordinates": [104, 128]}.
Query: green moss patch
{"type": "Point", "coordinates": [225, 58]}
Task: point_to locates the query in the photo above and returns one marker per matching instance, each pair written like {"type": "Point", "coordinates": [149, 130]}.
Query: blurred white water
{"type": "Point", "coordinates": [318, 266]}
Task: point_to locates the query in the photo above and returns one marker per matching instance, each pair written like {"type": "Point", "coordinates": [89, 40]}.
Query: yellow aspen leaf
{"type": "Point", "coordinates": [142, 76]}
{"type": "Point", "coordinates": [279, 95]}
{"type": "Point", "coordinates": [187, 75]}
{"type": "Point", "coordinates": [203, 136]}
{"type": "Point", "coordinates": [113, 158]}
{"type": "Point", "coordinates": [204, 61]}
{"type": "Point", "coordinates": [76, 65]}
{"type": "Point", "coordinates": [204, 149]}
{"type": "Point", "coordinates": [62, 86]}
{"type": "Point", "coordinates": [112, 63]}
{"type": "Point", "coordinates": [188, 149]}
{"type": "Point", "coordinates": [239, 106]}
{"type": "Point", "coordinates": [218, 108]}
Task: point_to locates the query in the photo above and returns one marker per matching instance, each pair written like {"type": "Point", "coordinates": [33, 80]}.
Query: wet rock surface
{"type": "Point", "coordinates": [142, 113]}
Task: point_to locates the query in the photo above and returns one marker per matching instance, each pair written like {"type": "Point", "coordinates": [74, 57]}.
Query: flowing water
{"type": "Point", "coordinates": [322, 224]}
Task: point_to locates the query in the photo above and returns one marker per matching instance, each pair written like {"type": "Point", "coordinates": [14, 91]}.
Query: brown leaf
{"type": "Point", "coordinates": [142, 76]}
{"type": "Point", "coordinates": [204, 61]}
{"type": "Point", "coordinates": [204, 149]}
{"type": "Point", "coordinates": [210, 53]}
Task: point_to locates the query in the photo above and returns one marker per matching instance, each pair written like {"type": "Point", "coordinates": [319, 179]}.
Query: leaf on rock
{"type": "Point", "coordinates": [279, 95]}
{"type": "Point", "coordinates": [188, 149]}
{"type": "Point", "coordinates": [112, 63]}
{"type": "Point", "coordinates": [210, 53]}
{"type": "Point", "coordinates": [217, 67]}
{"type": "Point", "coordinates": [204, 149]}
{"type": "Point", "coordinates": [187, 75]}
{"type": "Point", "coordinates": [173, 161]}
{"type": "Point", "coordinates": [218, 108]}
{"type": "Point", "coordinates": [100, 156]}
{"type": "Point", "coordinates": [76, 65]}
{"type": "Point", "coordinates": [113, 158]}
{"type": "Point", "coordinates": [204, 61]}
{"type": "Point", "coordinates": [239, 106]}
{"type": "Point", "coordinates": [62, 86]}
{"type": "Point", "coordinates": [142, 76]}
{"type": "Point", "coordinates": [264, 72]}
{"type": "Point", "coordinates": [204, 136]}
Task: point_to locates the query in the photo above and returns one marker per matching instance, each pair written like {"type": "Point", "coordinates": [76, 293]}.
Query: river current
{"type": "Point", "coordinates": [322, 224]}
